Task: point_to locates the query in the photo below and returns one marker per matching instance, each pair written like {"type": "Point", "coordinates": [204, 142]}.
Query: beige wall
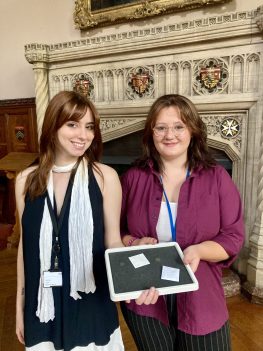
{"type": "Point", "coordinates": [51, 21]}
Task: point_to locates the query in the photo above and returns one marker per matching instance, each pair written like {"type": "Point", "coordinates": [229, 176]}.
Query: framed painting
{"type": "Point", "coordinates": [94, 13]}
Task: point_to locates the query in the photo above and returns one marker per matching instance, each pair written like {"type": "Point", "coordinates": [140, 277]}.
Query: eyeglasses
{"type": "Point", "coordinates": [162, 130]}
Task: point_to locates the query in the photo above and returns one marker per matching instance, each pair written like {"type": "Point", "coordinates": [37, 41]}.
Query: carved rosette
{"type": "Point", "coordinates": [226, 128]}
{"type": "Point", "coordinates": [259, 17]}
{"type": "Point", "coordinates": [140, 82]}
{"type": "Point", "coordinates": [230, 128]}
{"type": "Point", "coordinates": [211, 76]}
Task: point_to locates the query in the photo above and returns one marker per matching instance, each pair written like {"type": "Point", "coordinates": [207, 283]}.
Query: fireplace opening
{"type": "Point", "coordinates": [122, 152]}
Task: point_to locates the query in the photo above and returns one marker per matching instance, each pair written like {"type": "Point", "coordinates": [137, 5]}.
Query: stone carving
{"type": "Point", "coordinates": [225, 127]}
{"type": "Point", "coordinates": [221, 75]}
{"type": "Point", "coordinates": [108, 124]}
{"type": "Point", "coordinates": [41, 86]}
{"type": "Point", "coordinates": [230, 128]}
{"type": "Point", "coordinates": [253, 69]}
{"type": "Point", "coordinates": [140, 82]}
{"type": "Point", "coordinates": [259, 17]}
{"type": "Point", "coordinates": [237, 68]}
{"type": "Point", "coordinates": [83, 84]}
{"type": "Point", "coordinates": [255, 262]}
{"type": "Point", "coordinates": [150, 32]}
{"type": "Point", "coordinates": [36, 53]}
{"type": "Point", "coordinates": [214, 123]}
{"type": "Point", "coordinates": [211, 76]}
{"type": "Point", "coordinates": [231, 284]}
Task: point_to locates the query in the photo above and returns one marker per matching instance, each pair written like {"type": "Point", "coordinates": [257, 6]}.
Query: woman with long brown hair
{"type": "Point", "coordinates": [179, 193]}
{"type": "Point", "coordinates": [69, 206]}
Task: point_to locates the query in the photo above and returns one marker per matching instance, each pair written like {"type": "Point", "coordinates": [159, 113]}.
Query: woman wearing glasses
{"type": "Point", "coordinates": [177, 192]}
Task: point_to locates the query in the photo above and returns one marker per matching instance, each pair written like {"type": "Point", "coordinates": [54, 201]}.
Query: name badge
{"type": "Point", "coordinates": [52, 279]}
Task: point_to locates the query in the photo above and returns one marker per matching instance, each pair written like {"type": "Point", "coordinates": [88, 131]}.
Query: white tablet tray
{"type": "Point", "coordinates": [127, 282]}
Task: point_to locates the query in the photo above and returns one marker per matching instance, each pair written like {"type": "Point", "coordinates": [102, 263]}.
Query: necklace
{"type": "Point", "coordinates": [63, 169]}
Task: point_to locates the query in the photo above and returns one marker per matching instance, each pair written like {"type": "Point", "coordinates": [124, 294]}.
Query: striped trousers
{"type": "Point", "coordinates": [152, 335]}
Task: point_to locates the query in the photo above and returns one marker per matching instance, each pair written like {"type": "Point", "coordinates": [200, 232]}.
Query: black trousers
{"type": "Point", "coordinates": [151, 335]}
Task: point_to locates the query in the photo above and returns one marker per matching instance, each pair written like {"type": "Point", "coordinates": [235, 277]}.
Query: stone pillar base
{"type": "Point", "coordinates": [253, 293]}
{"type": "Point", "coordinates": [231, 283]}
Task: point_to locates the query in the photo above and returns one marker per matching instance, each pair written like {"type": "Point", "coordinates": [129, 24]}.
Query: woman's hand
{"type": "Point", "coordinates": [192, 257]}
{"type": "Point", "coordinates": [147, 297]}
{"type": "Point", "coordinates": [147, 240]}
{"type": "Point", "coordinates": [209, 251]}
{"type": "Point", "coordinates": [130, 240]}
{"type": "Point", "coordinates": [20, 327]}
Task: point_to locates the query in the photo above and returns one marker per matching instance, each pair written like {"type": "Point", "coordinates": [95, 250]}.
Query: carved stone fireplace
{"type": "Point", "coordinates": [216, 61]}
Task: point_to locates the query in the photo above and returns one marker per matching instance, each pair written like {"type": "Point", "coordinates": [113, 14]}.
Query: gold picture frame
{"type": "Point", "coordinates": [95, 13]}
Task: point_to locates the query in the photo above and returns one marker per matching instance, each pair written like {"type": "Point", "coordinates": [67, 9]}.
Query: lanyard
{"type": "Point", "coordinates": [57, 224]}
{"type": "Point", "coordinates": [172, 223]}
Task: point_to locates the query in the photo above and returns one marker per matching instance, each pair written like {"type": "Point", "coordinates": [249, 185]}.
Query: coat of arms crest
{"type": "Point", "coordinates": [210, 76]}
{"type": "Point", "coordinates": [83, 84]}
{"type": "Point", "coordinates": [140, 82]}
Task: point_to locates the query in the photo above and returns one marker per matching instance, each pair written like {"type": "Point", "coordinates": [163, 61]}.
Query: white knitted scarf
{"type": "Point", "coordinates": [80, 238]}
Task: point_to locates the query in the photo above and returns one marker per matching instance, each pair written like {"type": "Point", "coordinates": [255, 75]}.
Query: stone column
{"type": "Point", "coordinates": [254, 284]}
{"type": "Point", "coordinates": [253, 287]}
{"type": "Point", "coordinates": [37, 54]}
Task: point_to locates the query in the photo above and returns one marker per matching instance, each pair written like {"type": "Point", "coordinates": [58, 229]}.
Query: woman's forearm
{"type": "Point", "coordinates": [20, 299]}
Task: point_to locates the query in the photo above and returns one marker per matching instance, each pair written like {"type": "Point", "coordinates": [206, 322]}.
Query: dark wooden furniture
{"type": "Point", "coordinates": [18, 133]}
{"type": "Point", "coordinates": [18, 126]}
{"type": "Point", "coordinates": [11, 164]}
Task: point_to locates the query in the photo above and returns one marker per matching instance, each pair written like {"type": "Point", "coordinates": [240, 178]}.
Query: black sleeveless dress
{"type": "Point", "coordinates": [85, 324]}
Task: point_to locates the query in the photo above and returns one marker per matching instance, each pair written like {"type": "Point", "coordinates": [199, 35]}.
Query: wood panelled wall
{"type": "Point", "coordinates": [18, 133]}
{"type": "Point", "coordinates": [18, 126]}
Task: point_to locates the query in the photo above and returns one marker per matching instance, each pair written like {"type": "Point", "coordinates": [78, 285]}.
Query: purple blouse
{"type": "Point", "coordinates": [209, 208]}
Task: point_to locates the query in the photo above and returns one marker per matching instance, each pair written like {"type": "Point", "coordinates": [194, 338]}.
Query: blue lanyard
{"type": "Point", "coordinates": [172, 223]}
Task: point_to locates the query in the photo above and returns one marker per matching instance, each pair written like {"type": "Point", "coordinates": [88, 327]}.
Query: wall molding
{"type": "Point", "coordinates": [225, 26]}
{"type": "Point", "coordinates": [18, 102]}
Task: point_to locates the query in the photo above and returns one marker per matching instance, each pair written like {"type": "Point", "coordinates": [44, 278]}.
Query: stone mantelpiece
{"type": "Point", "coordinates": [172, 58]}
{"type": "Point", "coordinates": [259, 17]}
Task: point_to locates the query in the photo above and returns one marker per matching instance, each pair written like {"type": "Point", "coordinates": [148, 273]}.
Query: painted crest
{"type": "Point", "coordinates": [210, 76]}
{"type": "Point", "coordinates": [82, 86]}
{"type": "Point", "coordinates": [140, 82]}
{"type": "Point", "coordinates": [82, 83]}
{"type": "Point", "coordinates": [230, 128]}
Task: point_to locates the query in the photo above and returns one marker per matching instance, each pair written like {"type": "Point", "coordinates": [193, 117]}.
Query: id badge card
{"type": "Point", "coordinates": [52, 279]}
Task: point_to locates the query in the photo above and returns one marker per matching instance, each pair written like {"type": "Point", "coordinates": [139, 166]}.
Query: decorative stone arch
{"type": "Point", "coordinates": [114, 128]}
{"type": "Point", "coordinates": [234, 155]}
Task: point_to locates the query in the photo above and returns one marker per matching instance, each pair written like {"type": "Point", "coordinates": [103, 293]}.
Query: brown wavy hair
{"type": "Point", "coordinates": [198, 153]}
{"type": "Point", "coordinates": [63, 107]}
